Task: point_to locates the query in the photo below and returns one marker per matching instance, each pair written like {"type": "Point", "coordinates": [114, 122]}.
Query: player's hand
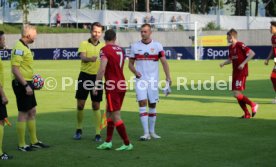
{"type": "Point", "coordinates": [266, 62]}
{"type": "Point", "coordinates": [138, 74]}
{"type": "Point", "coordinates": [29, 90]}
{"type": "Point", "coordinates": [169, 81]}
{"type": "Point", "coordinates": [5, 100]}
{"type": "Point", "coordinates": [95, 91]}
{"type": "Point", "coordinates": [241, 66]}
{"type": "Point", "coordinates": [221, 65]}
{"type": "Point", "coordinates": [94, 58]}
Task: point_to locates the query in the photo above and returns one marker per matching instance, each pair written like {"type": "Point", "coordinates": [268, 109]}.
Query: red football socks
{"type": "Point", "coordinates": [122, 131]}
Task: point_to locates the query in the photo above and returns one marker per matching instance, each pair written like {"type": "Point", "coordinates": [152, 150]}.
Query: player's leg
{"type": "Point", "coordinates": [3, 115]}
{"type": "Point", "coordinates": [109, 132]}
{"type": "Point", "coordinates": [80, 115]}
{"type": "Point", "coordinates": [97, 113]}
{"type": "Point", "coordinates": [153, 98]}
{"type": "Point", "coordinates": [117, 99]}
{"type": "Point", "coordinates": [21, 131]}
{"type": "Point", "coordinates": [31, 124]}
{"type": "Point", "coordinates": [19, 91]}
{"type": "Point", "coordinates": [144, 118]}
{"type": "Point", "coordinates": [121, 129]}
{"type": "Point", "coordinates": [245, 99]}
{"type": "Point", "coordinates": [1, 135]}
{"type": "Point", "coordinates": [273, 80]}
{"type": "Point", "coordinates": [81, 96]}
{"type": "Point", "coordinates": [142, 98]}
{"type": "Point", "coordinates": [239, 96]}
{"type": "Point", "coordinates": [152, 120]}
{"type": "Point", "coordinates": [97, 120]}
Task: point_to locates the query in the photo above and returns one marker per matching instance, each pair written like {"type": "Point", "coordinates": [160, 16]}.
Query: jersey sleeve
{"type": "Point", "coordinates": [132, 51]}
{"type": "Point", "coordinates": [16, 57]}
{"type": "Point", "coordinates": [82, 47]}
{"type": "Point", "coordinates": [245, 48]}
{"type": "Point", "coordinates": [161, 51]}
{"type": "Point", "coordinates": [103, 55]}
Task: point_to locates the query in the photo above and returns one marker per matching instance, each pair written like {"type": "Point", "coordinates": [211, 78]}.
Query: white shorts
{"type": "Point", "coordinates": [146, 91]}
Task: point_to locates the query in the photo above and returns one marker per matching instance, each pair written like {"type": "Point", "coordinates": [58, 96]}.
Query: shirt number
{"type": "Point", "coordinates": [238, 83]}
{"type": "Point", "coordinates": [120, 54]}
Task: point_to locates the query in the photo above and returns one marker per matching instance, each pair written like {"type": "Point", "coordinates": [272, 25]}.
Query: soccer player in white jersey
{"type": "Point", "coordinates": [143, 63]}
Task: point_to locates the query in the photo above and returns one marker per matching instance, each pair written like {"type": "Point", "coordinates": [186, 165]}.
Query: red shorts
{"type": "Point", "coordinates": [114, 101]}
{"type": "Point", "coordinates": [273, 79]}
{"type": "Point", "coordinates": [238, 82]}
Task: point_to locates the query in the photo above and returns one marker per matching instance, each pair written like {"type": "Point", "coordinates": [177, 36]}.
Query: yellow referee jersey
{"type": "Point", "coordinates": [1, 73]}
{"type": "Point", "coordinates": [22, 57]}
{"type": "Point", "coordinates": [90, 50]}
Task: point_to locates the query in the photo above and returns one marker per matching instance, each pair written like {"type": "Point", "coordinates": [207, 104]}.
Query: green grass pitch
{"type": "Point", "coordinates": [198, 128]}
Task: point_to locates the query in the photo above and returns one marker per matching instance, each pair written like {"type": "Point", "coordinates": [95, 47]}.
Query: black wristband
{"type": "Point", "coordinates": [26, 85]}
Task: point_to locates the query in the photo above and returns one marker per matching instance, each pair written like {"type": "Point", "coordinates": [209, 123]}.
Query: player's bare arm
{"type": "Point", "coordinates": [3, 95]}
{"type": "Point", "coordinates": [100, 75]}
{"type": "Point", "coordinates": [250, 55]}
{"type": "Point", "coordinates": [20, 78]}
{"type": "Point", "coordinates": [132, 68]}
{"type": "Point", "coordinates": [269, 57]}
{"type": "Point", "coordinates": [166, 69]}
{"type": "Point", "coordinates": [228, 61]}
{"type": "Point", "coordinates": [87, 59]}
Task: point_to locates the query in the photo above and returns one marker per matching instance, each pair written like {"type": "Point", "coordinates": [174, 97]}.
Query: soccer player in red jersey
{"type": "Point", "coordinates": [271, 54]}
{"type": "Point", "coordinates": [239, 55]}
{"type": "Point", "coordinates": [111, 67]}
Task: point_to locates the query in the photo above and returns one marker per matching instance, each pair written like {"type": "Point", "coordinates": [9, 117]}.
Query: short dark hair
{"type": "Point", "coordinates": [146, 25]}
{"type": "Point", "coordinates": [1, 33]}
{"type": "Point", "coordinates": [273, 23]}
{"type": "Point", "coordinates": [110, 35]}
{"type": "Point", "coordinates": [232, 32]}
{"type": "Point", "coordinates": [96, 24]}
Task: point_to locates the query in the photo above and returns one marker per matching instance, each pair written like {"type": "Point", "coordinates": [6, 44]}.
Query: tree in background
{"type": "Point", "coordinates": [24, 5]}
{"type": "Point", "coordinates": [119, 4]}
{"type": "Point", "coordinates": [240, 6]}
{"type": "Point", "coordinates": [270, 8]}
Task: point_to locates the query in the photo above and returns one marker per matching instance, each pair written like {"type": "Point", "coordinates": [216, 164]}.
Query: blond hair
{"type": "Point", "coordinates": [26, 29]}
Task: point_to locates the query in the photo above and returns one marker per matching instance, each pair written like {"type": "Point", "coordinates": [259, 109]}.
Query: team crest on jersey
{"type": "Point", "coordinates": [152, 50]}
{"type": "Point", "coordinates": [146, 54]}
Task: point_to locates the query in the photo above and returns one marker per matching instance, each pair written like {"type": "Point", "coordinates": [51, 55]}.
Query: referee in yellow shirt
{"type": "Point", "coordinates": [22, 70]}
{"type": "Point", "coordinates": [3, 102]}
{"type": "Point", "coordinates": [89, 52]}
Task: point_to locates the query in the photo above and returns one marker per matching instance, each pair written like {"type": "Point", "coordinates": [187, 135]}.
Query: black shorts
{"type": "Point", "coordinates": [3, 110]}
{"type": "Point", "coordinates": [83, 91]}
{"type": "Point", "coordinates": [24, 102]}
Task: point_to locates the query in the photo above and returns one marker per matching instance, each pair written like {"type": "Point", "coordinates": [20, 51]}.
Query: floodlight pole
{"type": "Point", "coordinates": [77, 2]}
{"type": "Point", "coordinates": [50, 13]}
{"type": "Point", "coordinates": [190, 6]}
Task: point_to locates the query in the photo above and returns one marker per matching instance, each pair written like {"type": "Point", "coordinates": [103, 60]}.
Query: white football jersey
{"type": "Point", "coordinates": [147, 59]}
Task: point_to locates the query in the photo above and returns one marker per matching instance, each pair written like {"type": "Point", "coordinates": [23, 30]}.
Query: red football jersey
{"type": "Point", "coordinates": [238, 53]}
{"type": "Point", "coordinates": [273, 41]}
{"type": "Point", "coordinates": [114, 76]}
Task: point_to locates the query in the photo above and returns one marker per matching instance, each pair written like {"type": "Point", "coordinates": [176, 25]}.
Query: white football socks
{"type": "Point", "coordinates": [144, 119]}
{"type": "Point", "coordinates": [152, 119]}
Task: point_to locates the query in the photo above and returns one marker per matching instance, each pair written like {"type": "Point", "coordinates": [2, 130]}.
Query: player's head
{"type": "Point", "coordinates": [232, 35]}
{"type": "Point", "coordinates": [2, 40]}
{"type": "Point", "coordinates": [110, 36]}
{"type": "Point", "coordinates": [29, 33]}
{"type": "Point", "coordinates": [146, 31]}
{"type": "Point", "coordinates": [96, 31]}
{"type": "Point", "coordinates": [273, 27]}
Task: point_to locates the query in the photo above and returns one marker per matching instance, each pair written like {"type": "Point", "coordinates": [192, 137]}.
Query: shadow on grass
{"type": "Point", "coordinates": [187, 140]}
{"type": "Point", "coordinates": [254, 88]}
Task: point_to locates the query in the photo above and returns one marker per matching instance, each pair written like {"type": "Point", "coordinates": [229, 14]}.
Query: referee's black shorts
{"type": "Point", "coordinates": [3, 110]}
{"type": "Point", "coordinates": [24, 102]}
{"type": "Point", "coordinates": [84, 90]}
